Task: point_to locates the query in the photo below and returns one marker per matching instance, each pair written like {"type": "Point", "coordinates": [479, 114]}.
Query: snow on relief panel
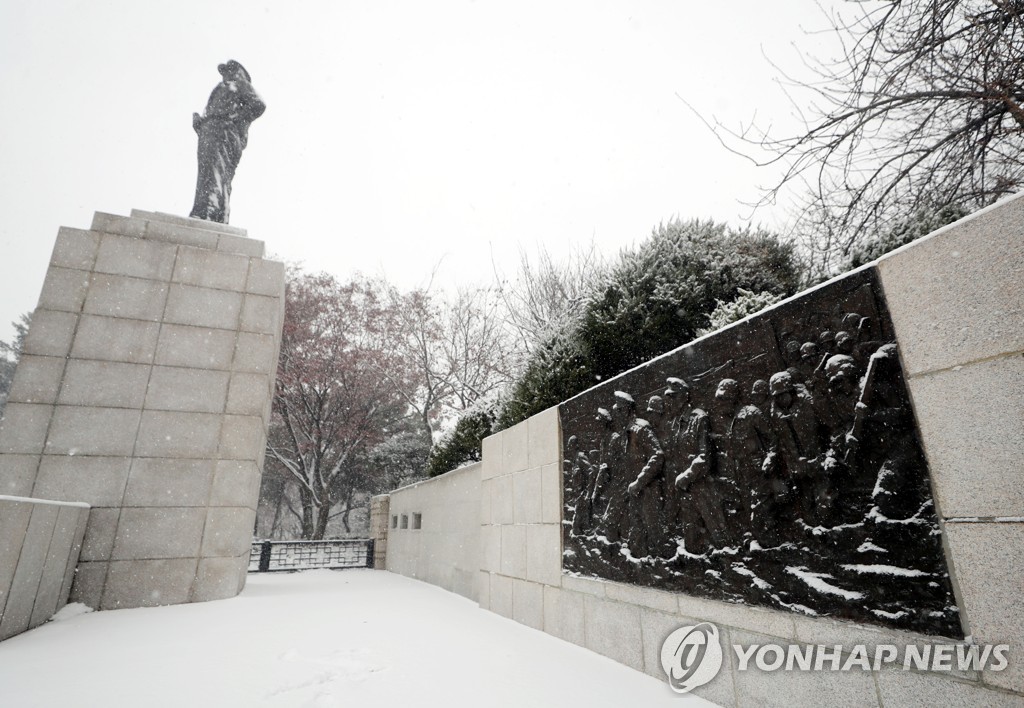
{"type": "Point", "coordinates": [775, 463]}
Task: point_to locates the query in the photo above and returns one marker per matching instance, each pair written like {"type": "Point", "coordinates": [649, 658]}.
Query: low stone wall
{"type": "Point", "coordinates": [434, 531]}
{"type": "Point", "coordinates": [39, 546]}
{"type": "Point", "coordinates": [956, 302]}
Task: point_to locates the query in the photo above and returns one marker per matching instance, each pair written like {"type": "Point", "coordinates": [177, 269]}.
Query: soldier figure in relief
{"type": "Point", "coordinates": [646, 492]}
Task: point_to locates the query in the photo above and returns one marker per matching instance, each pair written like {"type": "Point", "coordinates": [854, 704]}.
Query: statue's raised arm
{"type": "Point", "coordinates": [223, 133]}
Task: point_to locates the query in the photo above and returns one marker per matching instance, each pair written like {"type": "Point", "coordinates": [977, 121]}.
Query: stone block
{"type": "Point", "coordinates": [48, 597]}
{"type": "Point", "coordinates": [104, 383]}
{"type": "Point", "coordinates": [913, 688]}
{"type": "Point", "coordinates": [123, 297]}
{"type": "Point", "coordinates": [25, 584]}
{"type": "Point", "coordinates": [260, 314]}
{"type": "Point", "coordinates": [229, 531]}
{"type": "Point", "coordinates": [551, 493]}
{"type": "Point", "coordinates": [528, 603]}
{"type": "Point", "coordinates": [987, 562]}
{"type": "Point", "coordinates": [18, 474]}
{"type": "Point", "coordinates": [255, 353]}
{"type": "Point", "coordinates": [219, 578]}
{"type": "Point", "coordinates": [64, 289]}
{"type": "Point", "coordinates": [115, 339]}
{"type": "Point", "coordinates": [181, 235]}
{"type": "Point", "coordinates": [23, 427]}
{"type": "Point", "coordinates": [656, 626]}
{"type": "Point", "coordinates": [485, 502]}
{"type": "Point", "coordinates": [203, 307]}
{"type": "Point", "coordinates": [588, 586]}
{"type": "Point", "coordinates": [563, 615]}
{"type": "Point", "coordinates": [796, 689]}
{"type": "Point", "coordinates": [99, 535]}
{"type": "Point", "coordinates": [209, 269]}
{"type": "Point", "coordinates": [773, 622]}
{"type": "Point", "coordinates": [513, 551]}
{"type": "Point", "coordinates": [113, 224]}
{"type": "Point", "coordinates": [149, 583]}
{"type": "Point", "coordinates": [192, 223]}
{"type": "Point", "coordinates": [14, 518]}
{"type": "Point", "coordinates": [135, 257]}
{"type": "Point", "coordinates": [51, 333]}
{"type": "Point", "coordinates": [159, 532]}
{"type": "Point", "coordinates": [156, 482]}
{"type": "Point", "coordinates": [502, 500]}
{"type": "Point", "coordinates": [181, 389]}
{"type": "Point", "coordinates": [244, 246]}
{"type": "Point", "coordinates": [515, 448]}
{"type": "Point", "coordinates": [545, 438]}
{"type": "Point", "coordinates": [526, 490]}
{"type": "Point", "coordinates": [483, 585]}
{"type": "Point", "coordinates": [955, 297]}
{"type": "Point", "coordinates": [613, 630]}
{"type": "Point", "coordinates": [75, 248]}
{"type": "Point", "coordinates": [501, 595]}
{"type": "Point", "coordinates": [177, 434]}
{"type": "Point", "coordinates": [195, 347]}
{"type": "Point", "coordinates": [88, 430]}
{"type": "Point", "coordinates": [97, 481]}
{"type": "Point", "coordinates": [235, 483]}
{"type": "Point", "coordinates": [544, 553]}
{"type": "Point", "coordinates": [74, 554]}
{"type": "Point", "coordinates": [648, 597]}
{"type": "Point", "coordinates": [37, 379]}
{"type": "Point", "coordinates": [242, 437]}
{"type": "Point", "coordinates": [248, 394]}
{"type": "Point", "coordinates": [265, 278]}
{"type": "Point", "coordinates": [974, 448]}
{"type": "Point", "coordinates": [491, 456]}
{"type": "Point", "coordinates": [490, 539]}
{"type": "Point", "coordinates": [87, 586]}
{"type": "Point", "coordinates": [829, 632]}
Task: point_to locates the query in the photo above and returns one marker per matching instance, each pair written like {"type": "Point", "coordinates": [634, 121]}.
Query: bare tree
{"type": "Point", "coordinates": [544, 297]}
{"type": "Point", "coordinates": [452, 351]}
{"type": "Point", "coordinates": [923, 110]}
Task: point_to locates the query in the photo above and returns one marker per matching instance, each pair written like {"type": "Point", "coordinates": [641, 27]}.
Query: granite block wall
{"type": "Point", "coordinates": [434, 531]}
{"type": "Point", "coordinates": [956, 299]}
{"type": "Point", "coordinates": [39, 546]}
{"type": "Point", "coordinates": [144, 390]}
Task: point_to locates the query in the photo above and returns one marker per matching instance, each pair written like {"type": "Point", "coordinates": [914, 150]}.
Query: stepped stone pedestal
{"type": "Point", "coordinates": [144, 391]}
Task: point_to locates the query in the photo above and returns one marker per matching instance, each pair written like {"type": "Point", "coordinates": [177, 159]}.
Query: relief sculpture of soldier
{"type": "Point", "coordinates": [223, 131]}
{"type": "Point", "coordinates": [646, 494]}
{"type": "Point", "coordinates": [779, 484]}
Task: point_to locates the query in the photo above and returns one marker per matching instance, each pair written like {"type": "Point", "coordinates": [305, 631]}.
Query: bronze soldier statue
{"type": "Point", "coordinates": [646, 493]}
{"type": "Point", "coordinates": [223, 133]}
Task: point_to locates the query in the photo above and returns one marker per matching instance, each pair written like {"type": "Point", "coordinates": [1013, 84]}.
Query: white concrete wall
{"type": "Point", "coordinates": [957, 303]}
{"type": "Point", "coordinates": [445, 550]}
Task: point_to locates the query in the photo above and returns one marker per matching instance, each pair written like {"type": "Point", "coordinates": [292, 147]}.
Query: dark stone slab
{"type": "Point", "coordinates": [776, 463]}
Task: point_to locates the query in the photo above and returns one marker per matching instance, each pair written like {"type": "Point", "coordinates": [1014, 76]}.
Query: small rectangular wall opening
{"type": "Point", "coordinates": [405, 521]}
{"type": "Point", "coordinates": [417, 521]}
{"type": "Point", "coordinates": [394, 521]}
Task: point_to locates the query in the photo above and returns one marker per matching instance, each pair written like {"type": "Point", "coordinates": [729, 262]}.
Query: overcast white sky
{"type": "Point", "coordinates": [398, 134]}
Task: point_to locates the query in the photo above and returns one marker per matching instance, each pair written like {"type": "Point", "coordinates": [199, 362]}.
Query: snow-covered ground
{"type": "Point", "coordinates": [317, 638]}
